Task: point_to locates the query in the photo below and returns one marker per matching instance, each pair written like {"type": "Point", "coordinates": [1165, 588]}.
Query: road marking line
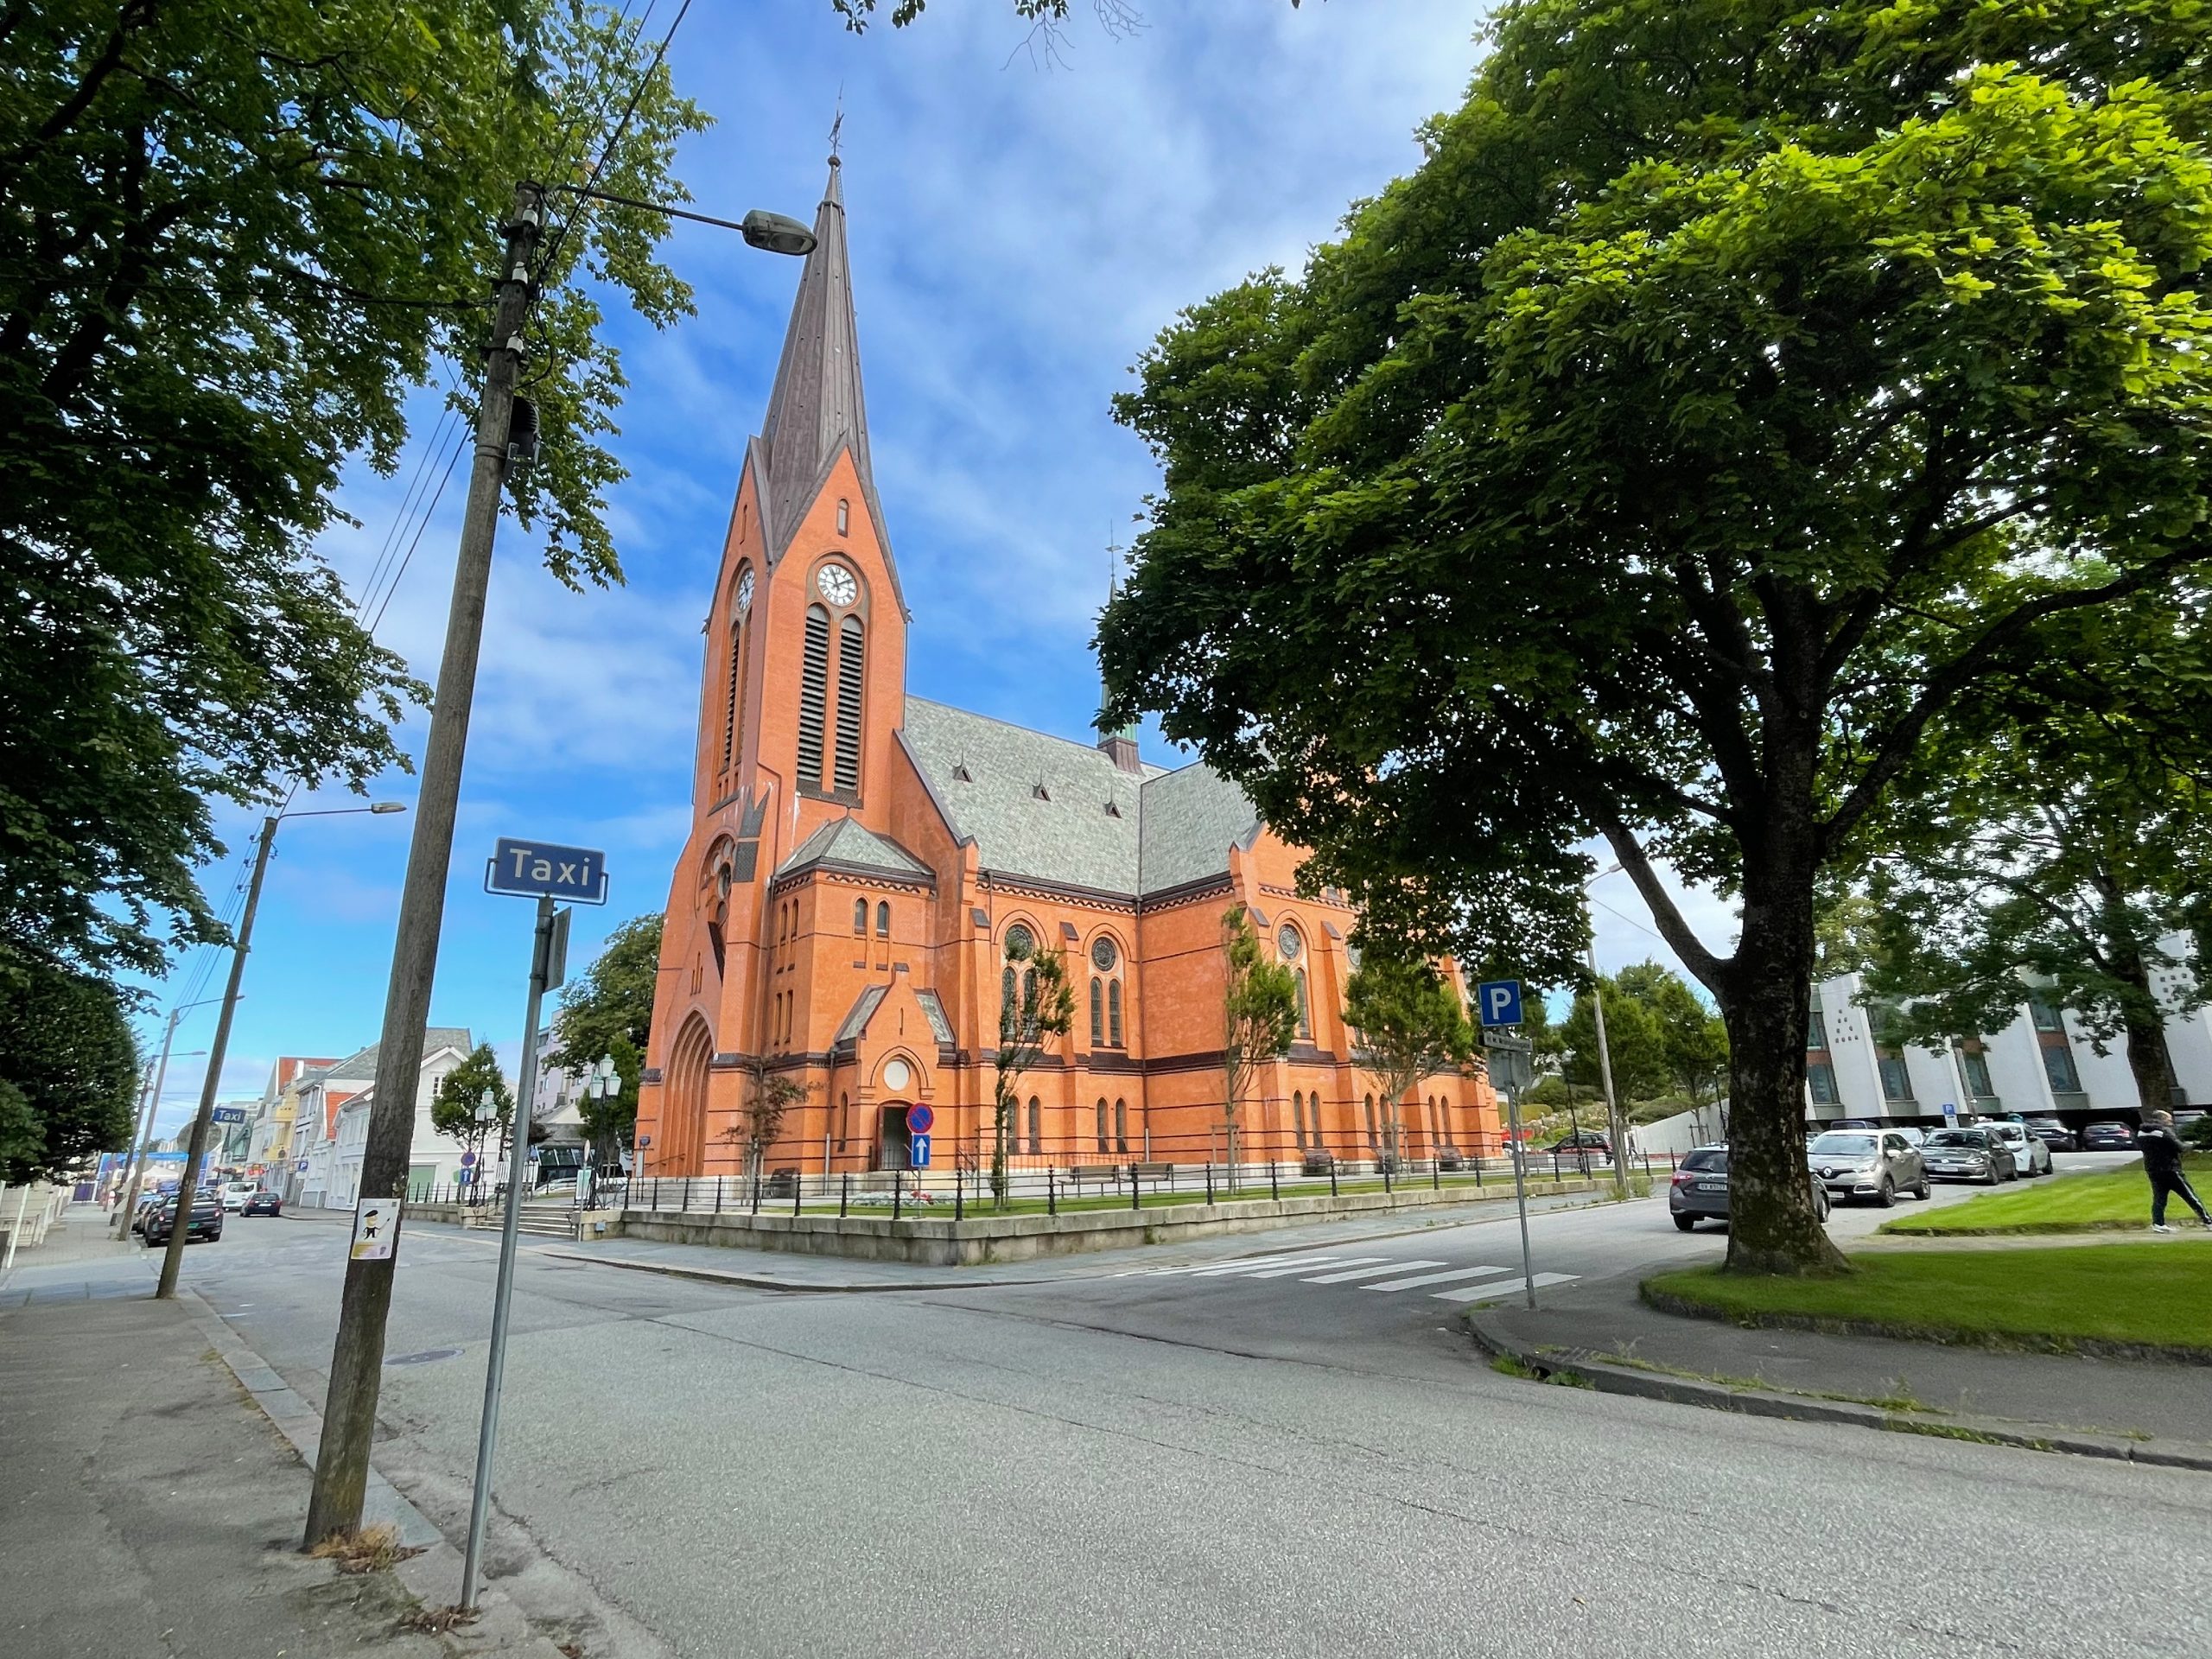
{"type": "Point", "coordinates": [1506, 1290]}
{"type": "Point", "coordinates": [1436, 1278]}
{"type": "Point", "coordinates": [1304, 1267]}
{"type": "Point", "coordinates": [1369, 1272]}
{"type": "Point", "coordinates": [1253, 1263]}
{"type": "Point", "coordinates": [1244, 1261]}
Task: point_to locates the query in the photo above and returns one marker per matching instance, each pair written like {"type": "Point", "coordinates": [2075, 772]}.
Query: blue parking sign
{"type": "Point", "coordinates": [1498, 1001]}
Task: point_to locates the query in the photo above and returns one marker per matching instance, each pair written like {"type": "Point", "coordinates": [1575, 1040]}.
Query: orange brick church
{"type": "Point", "coordinates": [860, 858]}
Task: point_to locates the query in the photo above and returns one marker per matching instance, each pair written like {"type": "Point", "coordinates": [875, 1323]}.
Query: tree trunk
{"type": "Point", "coordinates": [2146, 1040]}
{"type": "Point", "coordinates": [1772, 1226]}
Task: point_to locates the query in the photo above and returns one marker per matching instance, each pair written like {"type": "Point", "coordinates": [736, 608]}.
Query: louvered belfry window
{"type": "Point", "coordinates": [850, 647]}
{"type": "Point", "coordinates": [813, 694]}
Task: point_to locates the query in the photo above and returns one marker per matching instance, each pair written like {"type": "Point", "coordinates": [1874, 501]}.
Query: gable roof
{"type": "Point", "coordinates": [1191, 817]}
{"type": "Point", "coordinates": [362, 1063]}
{"type": "Point", "coordinates": [847, 844]}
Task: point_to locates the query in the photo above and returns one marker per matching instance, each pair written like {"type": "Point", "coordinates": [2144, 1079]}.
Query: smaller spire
{"type": "Point", "coordinates": [1120, 743]}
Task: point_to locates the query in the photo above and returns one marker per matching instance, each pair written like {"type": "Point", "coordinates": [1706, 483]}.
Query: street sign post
{"type": "Point", "coordinates": [229, 1115]}
{"type": "Point", "coordinates": [1498, 1001]}
{"type": "Point", "coordinates": [545, 872]}
{"type": "Point", "coordinates": [1510, 1063]}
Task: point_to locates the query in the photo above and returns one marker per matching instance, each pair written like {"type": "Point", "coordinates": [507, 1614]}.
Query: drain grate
{"type": "Point", "coordinates": [422, 1358]}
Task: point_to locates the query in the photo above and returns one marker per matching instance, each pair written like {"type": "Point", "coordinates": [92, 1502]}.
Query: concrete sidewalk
{"type": "Point", "coordinates": [1603, 1332]}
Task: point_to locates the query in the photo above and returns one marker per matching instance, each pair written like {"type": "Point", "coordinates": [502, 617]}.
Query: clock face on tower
{"type": "Point", "coordinates": [836, 584]}
{"type": "Point", "coordinates": [745, 592]}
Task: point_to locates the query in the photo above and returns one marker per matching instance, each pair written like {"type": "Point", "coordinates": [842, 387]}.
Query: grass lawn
{"type": "Point", "coordinates": [2108, 1199]}
{"type": "Point", "coordinates": [2158, 1293]}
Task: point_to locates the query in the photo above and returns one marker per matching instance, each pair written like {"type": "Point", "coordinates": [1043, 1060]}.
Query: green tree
{"type": "Point", "coordinates": [69, 1073]}
{"type": "Point", "coordinates": [453, 1106]}
{"type": "Point", "coordinates": [769, 1095]}
{"type": "Point", "coordinates": [608, 1010]}
{"type": "Point", "coordinates": [236, 235]}
{"type": "Point", "coordinates": [1734, 394]}
{"type": "Point", "coordinates": [2074, 851]}
{"type": "Point", "coordinates": [1692, 1040]}
{"type": "Point", "coordinates": [1036, 1009]}
{"type": "Point", "coordinates": [1408, 1024]}
{"type": "Point", "coordinates": [1259, 1016]}
{"type": "Point", "coordinates": [1633, 1038]}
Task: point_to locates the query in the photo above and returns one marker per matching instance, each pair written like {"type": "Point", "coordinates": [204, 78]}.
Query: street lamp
{"type": "Point", "coordinates": [173, 1259]}
{"type": "Point", "coordinates": [487, 1110]}
{"type": "Point", "coordinates": [603, 1082]}
{"type": "Point", "coordinates": [1616, 1125]}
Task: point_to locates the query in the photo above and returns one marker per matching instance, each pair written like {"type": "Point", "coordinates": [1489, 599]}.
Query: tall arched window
{"type": "Point", "coordinates": [1036, 1126]}
{"type": "Point", "coordinates": [1097, 1013]}
{"type": "Point", "coordinates": [1006, 1002]}
{"type": "Point", "coordinates": [813, 696]}
{"type": "Point", "coordinates": [1122, 1126]}
{"type": "Point", "coordinates": [844, 517]}
{"type": "Point", "coordinates": [883, 918]}
{"type": "Point", "coordinates": [859, 915]}
{"type": "Point", "coordinates": [1297, 1117]}
{"type": "Point", "coordinates": [1304, 1012]}
{"type": "Point", "coordinates": [1102, 1122]}
{"type": "Point", "coordinates": [1372, 1139]}
{"type": "Point", "coordinates": [851, 648]}
{"type": "Point", "coordinates": [741, 607]}
{"type": "Point", "coordinates": [1114, 1014]}
{"type": "Point", "coordinates": [1029, 1003]}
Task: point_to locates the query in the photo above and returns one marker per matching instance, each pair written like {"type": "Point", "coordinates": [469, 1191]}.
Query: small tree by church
{"type": "Point", "coordinates": [1259, 1007]}
{"type": "Point", "coordinates": [1036, 1005]}
{"type": "Point", "coordinates": [768, 1095]}
{"type": "Point", "coordinates": [1409, 1026]}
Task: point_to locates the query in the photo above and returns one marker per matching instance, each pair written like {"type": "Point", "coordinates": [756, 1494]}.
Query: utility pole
{"type": "Point", "coordinates": [173, 1258]}
{"type": "Point", "coordinates": [123, 1211]}
{"type": "Point", "coordinates": [135, 1148]}
{"type": "Point", "coordinates": [1618, 1128]}
{"type": "Point", "coordinates": [349, 1409]}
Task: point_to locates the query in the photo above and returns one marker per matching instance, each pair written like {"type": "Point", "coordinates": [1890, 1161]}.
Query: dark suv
{"type": "Point", "coordinates": [1875, 1165]}
{"type": "Point", "coordinates": [204, 1221]}
{"type": "Point", "coordinates": [1699, 1189]}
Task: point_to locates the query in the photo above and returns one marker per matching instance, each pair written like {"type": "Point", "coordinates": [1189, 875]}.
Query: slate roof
{"type": "Point", "coordinates": [363, 1062]}
{"type": "Point", "coordinates": [1169, 828]}
{"type": "Point", "coordinates": [863, 1010]}
{"type": "Point", "coordinates": [845, 843]}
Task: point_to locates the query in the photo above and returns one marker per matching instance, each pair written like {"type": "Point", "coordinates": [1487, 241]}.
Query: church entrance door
{"type": "Point", "coordinates": [893, 1144]}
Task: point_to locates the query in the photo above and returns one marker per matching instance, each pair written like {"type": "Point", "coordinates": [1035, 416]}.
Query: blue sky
{"type": "Point", "coordinates": [1020, 232]}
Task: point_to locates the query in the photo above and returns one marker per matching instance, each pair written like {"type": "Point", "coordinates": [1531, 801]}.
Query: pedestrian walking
{"type": "Point", "coordinates": [2161, 1149]}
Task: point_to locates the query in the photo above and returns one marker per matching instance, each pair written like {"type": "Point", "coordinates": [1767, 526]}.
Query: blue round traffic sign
{"type": "Point", "coordinates": [919, 1120]}
{"type": "Point", "coordinates": [468, 1160]}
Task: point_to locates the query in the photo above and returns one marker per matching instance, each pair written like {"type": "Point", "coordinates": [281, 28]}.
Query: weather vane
{"type": "Point", "coordinates": [837, 125]}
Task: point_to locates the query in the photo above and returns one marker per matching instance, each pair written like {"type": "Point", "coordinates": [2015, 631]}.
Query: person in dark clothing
{"type": "Point", "coordinates": [2161, 1149]}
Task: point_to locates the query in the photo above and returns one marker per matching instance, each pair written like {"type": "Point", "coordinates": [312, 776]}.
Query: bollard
{"type": "Point", "coordinates": [795, 1184]}
{"type": "Point", "coordinates": [1209, 1180]}
{"type": "Point", "coordinates": [898, 1190]}
{"type": "Point", "coordinates": [1052, 1193]}
{"type": "Point", "coordinates": [1274, 1186]}
{"type": "Point", "coordinates": [1133, 1186]}
{"type": "Point", "coordinates": [959, 1195]}
{"type": "Point", "coordinates": [1332, 1177]}
{"type": "Point", "coordinates": [844, 1195]}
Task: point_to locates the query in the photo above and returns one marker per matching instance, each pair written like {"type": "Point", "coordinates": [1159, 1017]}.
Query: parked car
{"type": "Point", "coordinates": [204, 1220]}
{"type": "Point", "coordinates": [2030, 1156]}
{"type": "Point", "coordinates": [2052, 1133]}
{"type": "Point", "coordinates": [1875, 1165]}
{"type": "Point", "coordinates": [1979, 1153]}
{"type": "Point", "coordinates": [1590, 1140]}
{"type": "Point", "coordinates": [1699, 1189]}
{"type": "Point", "coordinates": [2108, 1136]}
{"type": "Point", "coordinates": [235, 1193]}
{"type": "Point", "coordinates": [262, 1203]}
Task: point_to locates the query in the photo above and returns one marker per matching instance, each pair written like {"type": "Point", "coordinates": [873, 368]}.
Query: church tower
{"type": "Point", "coordinates": [803, 690]}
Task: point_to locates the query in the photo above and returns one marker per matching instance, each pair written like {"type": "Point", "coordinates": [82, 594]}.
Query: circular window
{"type": "Point", "coordinates": [1021, 944]}
{"type": "Point", "coordinates": [1103, 955]}
{"type": "Point", "coordinates": [836, 584]}
{"type": "Point", "coordinates": [895, 1074]}
{"type": "Point", "coordinates": [1288, 942]}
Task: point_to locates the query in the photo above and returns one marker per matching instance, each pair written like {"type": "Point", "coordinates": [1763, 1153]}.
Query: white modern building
{"type": "Point", "coordinates": [555, 1114]}
{"type": "Point", "coordinates": [2039, 1065]}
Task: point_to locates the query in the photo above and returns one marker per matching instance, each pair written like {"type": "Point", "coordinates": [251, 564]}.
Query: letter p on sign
{"type": "Point", "coordinates": [1499, 1002]}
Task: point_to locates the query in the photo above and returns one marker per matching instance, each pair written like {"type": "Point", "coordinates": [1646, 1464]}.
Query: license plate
{"type": "Point", "coordinates": [1713, 1187]}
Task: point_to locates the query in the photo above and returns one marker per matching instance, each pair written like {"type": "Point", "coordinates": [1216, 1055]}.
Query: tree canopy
{"type": "Point", "coordinates": [1259, 1013]}
{"type": "Point", "coordinates": [1735, 393]}
{"type": "Point", "coordinates": [68, 1074]}
{"type": "Point", "coordinates": [460, 1092]}
{"type": "Point", "coordinates": [609, 1011]}
{"type": "Point", "coordinates": [237, 235]}
{"type": "Point", "coordinates": [1409, 1025]}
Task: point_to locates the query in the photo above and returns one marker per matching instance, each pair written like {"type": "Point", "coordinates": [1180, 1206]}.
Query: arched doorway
{"type": "Point", "coordinates": [684, 1129]}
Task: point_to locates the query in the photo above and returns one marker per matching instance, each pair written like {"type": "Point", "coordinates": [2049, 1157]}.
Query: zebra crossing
{"type": "Point", "coordinates": [1386, 1274]}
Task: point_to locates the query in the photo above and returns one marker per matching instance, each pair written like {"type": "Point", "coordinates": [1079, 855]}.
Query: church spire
{"type": "Point", "coordinates": [817, 407]}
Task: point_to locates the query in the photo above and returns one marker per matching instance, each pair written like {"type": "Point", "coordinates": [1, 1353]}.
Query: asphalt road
{"type": "Point", "coordinates": [1124, 1460]}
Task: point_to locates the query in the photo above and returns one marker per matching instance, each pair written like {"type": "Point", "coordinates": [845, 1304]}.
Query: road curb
{"type": "Point", "coordinates": [2136, 1353]}
{"type": "Point", "coordinates": [1575, 1367]}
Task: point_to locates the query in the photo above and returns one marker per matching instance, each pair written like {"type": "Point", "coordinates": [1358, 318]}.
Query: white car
{"type": "Point", "coordinates": [2032, 1157]}
{"type": "Point", "coordinates": [235, 1193]}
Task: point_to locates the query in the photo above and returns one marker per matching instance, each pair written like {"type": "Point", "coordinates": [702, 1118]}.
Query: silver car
{"type": "Point", "coordinates": [1875, 1165]}
{"type": "Point", "coordinates": [1979, 1153]}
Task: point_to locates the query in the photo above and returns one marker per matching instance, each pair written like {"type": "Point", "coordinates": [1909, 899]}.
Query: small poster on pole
{"type": "Point", "coordinates": [376, 1229]}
